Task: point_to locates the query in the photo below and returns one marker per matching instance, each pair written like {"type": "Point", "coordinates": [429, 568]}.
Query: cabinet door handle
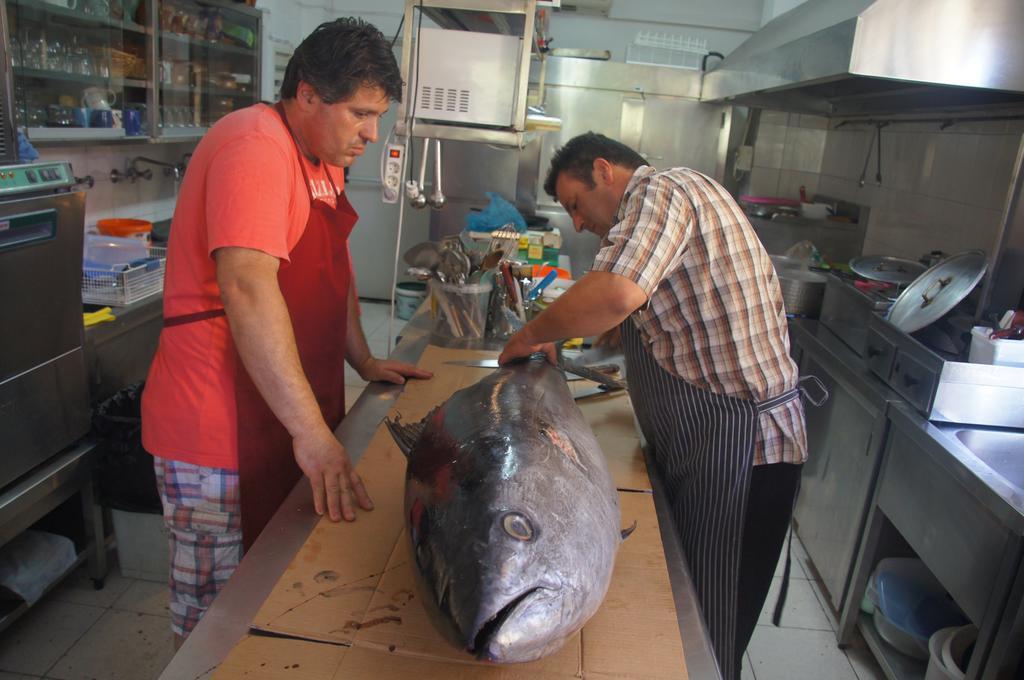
{"type": "Point", "coordinates": [909, 380]}
{"type": "Point", "coordinates": [873, 352]}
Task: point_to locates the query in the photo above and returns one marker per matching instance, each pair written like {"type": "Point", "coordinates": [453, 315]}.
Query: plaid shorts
{"type": "Point", "coordinates": [201, 509]}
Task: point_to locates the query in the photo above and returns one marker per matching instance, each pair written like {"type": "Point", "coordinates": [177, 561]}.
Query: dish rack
{"type": "Point", "coordinates": [137, 281]}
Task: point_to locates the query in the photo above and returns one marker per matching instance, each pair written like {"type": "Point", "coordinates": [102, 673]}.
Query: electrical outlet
{"type": "Point", "coordinates": [393, 166]}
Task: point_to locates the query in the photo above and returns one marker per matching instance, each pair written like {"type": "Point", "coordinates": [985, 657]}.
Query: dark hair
{"type": "Point", "coordinates": [341, 56]}
{"type": "Point", "coordinates": [578, 155]}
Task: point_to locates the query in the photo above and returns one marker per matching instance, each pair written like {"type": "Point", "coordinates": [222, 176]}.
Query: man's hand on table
{"type": "Point", "coordinates": [388, 370]}
{"type": "Point", "coordinates": [336, 485]}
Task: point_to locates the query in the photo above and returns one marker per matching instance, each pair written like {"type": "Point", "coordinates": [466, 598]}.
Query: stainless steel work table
{"type": "Point", "coordinates": [227, 621]}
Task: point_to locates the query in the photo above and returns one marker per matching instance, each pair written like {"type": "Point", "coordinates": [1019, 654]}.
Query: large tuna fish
{"type": "Point", "coordinates": [513, 518]}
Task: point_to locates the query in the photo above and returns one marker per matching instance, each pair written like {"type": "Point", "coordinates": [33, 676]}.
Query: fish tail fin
{"type": "Point", "coordinates": [628, 531]}
{"type": "Point", "coordinates": [404, 435]}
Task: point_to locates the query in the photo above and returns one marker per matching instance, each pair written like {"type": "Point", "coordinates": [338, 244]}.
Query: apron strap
{"type": "Point", "coordinates": [182, 319]}
{"type": "Point", "coordinates": [775, 402]}
{"type": "Point", "coordinates": [780, 603]}
{"type": "Point", "coordinates": [279, 107]}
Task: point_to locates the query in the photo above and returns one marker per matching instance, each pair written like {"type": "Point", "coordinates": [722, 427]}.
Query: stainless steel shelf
{"type": "Point", "coordinates": [80, 19]}
{"type": "Point", "coordinates": [223, 48]}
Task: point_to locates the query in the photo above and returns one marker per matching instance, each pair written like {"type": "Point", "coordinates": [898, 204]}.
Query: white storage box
{"type": "Point", "coordinates": [142, 545]}
{"type": "Point", "coordinates": [985, 350]}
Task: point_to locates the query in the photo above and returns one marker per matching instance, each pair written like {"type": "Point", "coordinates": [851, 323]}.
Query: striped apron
{"type": "Point", "coordinates": [704, 447]}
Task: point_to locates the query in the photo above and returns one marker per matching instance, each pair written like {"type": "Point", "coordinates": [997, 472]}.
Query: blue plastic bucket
{"type": "Point", "coordinates": [408, 296]}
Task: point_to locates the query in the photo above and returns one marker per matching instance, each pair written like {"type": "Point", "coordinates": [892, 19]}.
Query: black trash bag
{"type": "Point", "coordinates": [125, 477]}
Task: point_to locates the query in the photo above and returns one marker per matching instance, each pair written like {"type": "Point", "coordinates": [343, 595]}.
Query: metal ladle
{"type": "Point", "coordinates": [426, 254]}
{"type": "Point", "coordinates": [437, 198]}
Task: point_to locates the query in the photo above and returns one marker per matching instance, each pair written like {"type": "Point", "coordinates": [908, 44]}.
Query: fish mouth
{"type": "Point", "coordinates": [482, 639]}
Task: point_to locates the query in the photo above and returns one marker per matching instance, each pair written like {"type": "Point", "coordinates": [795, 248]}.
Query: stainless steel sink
{"type": "Point", "coordinates": [1000, 450]}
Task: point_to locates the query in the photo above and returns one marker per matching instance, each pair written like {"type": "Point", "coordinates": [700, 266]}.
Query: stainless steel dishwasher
{"type": "Point", "coordinates": [44, 396]}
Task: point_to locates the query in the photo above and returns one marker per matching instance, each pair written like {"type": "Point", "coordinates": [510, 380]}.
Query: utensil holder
{"type": "Point", "coordinates": [460, 311]}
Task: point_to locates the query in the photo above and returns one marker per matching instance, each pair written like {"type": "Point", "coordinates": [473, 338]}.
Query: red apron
{"type": "Point", "coordinates": [315, 285]}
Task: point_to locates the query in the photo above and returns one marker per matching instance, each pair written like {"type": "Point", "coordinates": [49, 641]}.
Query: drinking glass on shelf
{"type": "Point", "coordinates": [35, 116]}
{"type": "Point", "coordinates": [56, 56]}
{"type": "Point", "coordinates": [15, 50]}
{"type": "Point", "coordinates": [35, 51]}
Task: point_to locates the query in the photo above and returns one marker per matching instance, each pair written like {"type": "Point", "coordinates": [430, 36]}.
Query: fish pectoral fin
{"type": "Point", "coordinates": [405, 435]}
{"type": "Point", "coordinates": [628, 530]}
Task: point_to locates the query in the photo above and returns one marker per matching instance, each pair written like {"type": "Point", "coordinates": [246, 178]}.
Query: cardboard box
{"type": "Point", "coordinates": [351, 584]}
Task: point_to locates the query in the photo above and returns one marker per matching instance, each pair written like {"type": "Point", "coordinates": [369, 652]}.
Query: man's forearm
{"type": "Point", "coordinates": [597, 302]}
{"type": "Point", "coordinates": [262, 332]}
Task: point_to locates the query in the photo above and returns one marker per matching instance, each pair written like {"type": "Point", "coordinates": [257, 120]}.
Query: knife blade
{"type": "Point", "coordinates": [491, 363]}
{"type": "Point", "coordinates": [598, 391]}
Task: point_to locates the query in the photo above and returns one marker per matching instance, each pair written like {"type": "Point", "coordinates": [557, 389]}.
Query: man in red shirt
{"type": "Point", "coordinates": [260, 314]}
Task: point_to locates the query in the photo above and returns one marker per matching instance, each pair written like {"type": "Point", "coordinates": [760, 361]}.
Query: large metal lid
{"type": "Point", "coordinates": [887, 269]}
{"type": "Point", "coordinates": [937, 291]}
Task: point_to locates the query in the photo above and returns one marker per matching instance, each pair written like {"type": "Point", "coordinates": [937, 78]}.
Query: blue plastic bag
{"type": "Point", "coordinates": [26, 152]}
{"type": "Point", "coordinates": [497, 214]}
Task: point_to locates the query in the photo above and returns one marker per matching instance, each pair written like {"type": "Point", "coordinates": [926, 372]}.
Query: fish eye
{"type": "Point", "coordinates": [517, 526]}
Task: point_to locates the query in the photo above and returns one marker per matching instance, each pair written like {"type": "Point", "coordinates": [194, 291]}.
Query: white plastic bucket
{"type": "Point", "coordinates": [408, 296]}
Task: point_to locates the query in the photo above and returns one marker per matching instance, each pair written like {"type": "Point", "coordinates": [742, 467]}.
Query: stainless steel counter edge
{"type": "Point", "coordinates": [126, 318]}
{"type": "Point", "coordinates": [227, 621]}
{"type": "Point", "coordinates": [1001, 498]}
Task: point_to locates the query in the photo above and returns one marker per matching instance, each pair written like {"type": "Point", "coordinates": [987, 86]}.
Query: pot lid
{"type": "Point", "coordinates": [937, 291]}
{"type": "Point", "coordinates": [887, 269]}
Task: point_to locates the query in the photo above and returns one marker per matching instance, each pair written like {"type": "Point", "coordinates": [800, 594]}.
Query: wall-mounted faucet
{"type": "Point", "coordinates": [174, 170]}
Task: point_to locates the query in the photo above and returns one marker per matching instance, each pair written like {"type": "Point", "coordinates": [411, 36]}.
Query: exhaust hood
{"type": "Point", "coordinates": [870, 57]}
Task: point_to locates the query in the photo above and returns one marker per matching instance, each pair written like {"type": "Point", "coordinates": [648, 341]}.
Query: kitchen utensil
{"type": "Point", "coordinates": [937, 291]}
{"type": "Point", "coordinates": [768, 206]}
{"type": "Point", "coordinates": [420, 273]}
{"type": "Point", "coordinates": [802, 291]}
{"type": "Point", "coordinates": [426, 254]}
{"type": "Point", "coordinates": [491, 259]}
{"type": "Point", "coordinates": [541, 285]}
{"type": "Point", "coordinates": [597, 374]}
{"type": "Point", "coordinates": [463, 308]}
{"type": "Point", "coordinates": [98, 98]}
{"type": "Point", "coordinates": [887, 269]}
{"type": "Point", "coordinates": [597, 391]}
{"type": "Point", "coordinates": [787, 262]}
{"type": "Point", "coordinates": [454, 265]}
{"type": "Point", "coordinates": [436, 198]}
{"type": "Point", "coordinates": [413, 188]}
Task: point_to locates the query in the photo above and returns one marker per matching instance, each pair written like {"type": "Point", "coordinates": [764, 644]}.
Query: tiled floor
{"type": "Point", "coordinates": [123, 631]}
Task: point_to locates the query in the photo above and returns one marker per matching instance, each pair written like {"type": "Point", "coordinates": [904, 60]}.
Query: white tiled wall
{"type": "Point", "coordinates": [145, 199]}
{"type": "Point", "coordinates": [940, 190]}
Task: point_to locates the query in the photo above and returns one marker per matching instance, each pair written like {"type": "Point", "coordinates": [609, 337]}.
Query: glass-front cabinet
{"type": "Point", "coordinates": [113, 69]}
{"type": "Point", "coordinates": [207, 64]}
